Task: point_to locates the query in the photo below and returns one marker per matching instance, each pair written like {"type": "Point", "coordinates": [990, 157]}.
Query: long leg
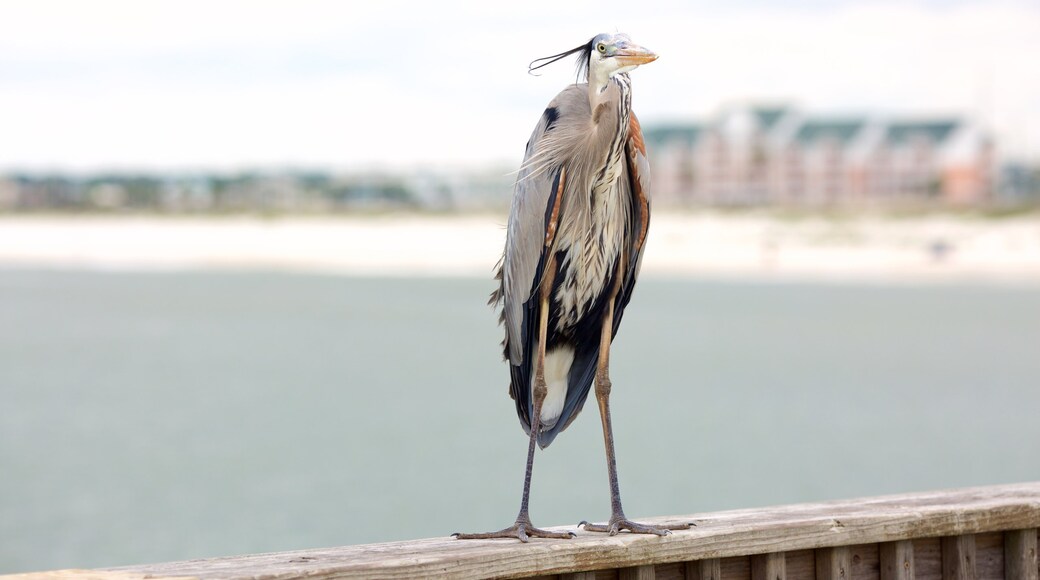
{"type": "Point", "coordinates": [522, 529]}
{"type": "Point", "coordinates": [618, 521]}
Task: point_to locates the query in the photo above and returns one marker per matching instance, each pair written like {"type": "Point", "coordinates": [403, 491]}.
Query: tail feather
{"type": "Point", "coordinates": [579, 383]}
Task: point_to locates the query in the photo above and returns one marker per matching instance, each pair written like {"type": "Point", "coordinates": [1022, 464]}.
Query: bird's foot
{"type": "Point", "coordinates": [521, 530]}
{"type": "Point", "coordinates": [618, 523]}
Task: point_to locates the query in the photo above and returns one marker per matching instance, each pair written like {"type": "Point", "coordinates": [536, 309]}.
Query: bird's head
{"type": "Point", "coordinates": [603, 56]}
{"type": "Point", "coordinates": [610, 54]}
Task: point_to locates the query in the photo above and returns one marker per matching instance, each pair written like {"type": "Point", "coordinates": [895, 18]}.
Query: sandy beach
{"type": "Point", "coordinates": [702, 244]}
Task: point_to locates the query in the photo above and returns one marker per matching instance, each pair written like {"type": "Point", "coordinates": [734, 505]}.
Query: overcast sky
{"type": "Point", "coordinates": [227, 85]}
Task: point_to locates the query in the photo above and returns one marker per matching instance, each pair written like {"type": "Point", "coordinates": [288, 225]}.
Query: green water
{"type": "Point", "coordinates": [160, 416]}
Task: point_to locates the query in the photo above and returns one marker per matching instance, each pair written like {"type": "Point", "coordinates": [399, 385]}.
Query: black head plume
{"type": "Point", "coordinates": [584, 51]}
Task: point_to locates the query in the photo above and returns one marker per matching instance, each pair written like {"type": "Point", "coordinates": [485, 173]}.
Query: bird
{"type": "Point", "coordinates": [577, 228]}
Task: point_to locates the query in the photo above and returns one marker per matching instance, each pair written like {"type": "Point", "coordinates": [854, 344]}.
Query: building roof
{"type": "Point", "coordinates": [934, 131]}
{"type": "Point", "coordinates": [686, 134]}
{"type": "Point", "coordinates": [841, 130]}
{"type": "Point", "coordinates": [768, 116]}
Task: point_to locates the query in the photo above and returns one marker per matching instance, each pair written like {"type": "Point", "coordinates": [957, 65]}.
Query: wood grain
{"type": "Point", "coordinates": [897, 560]}
{"type": "Point", "coordinates": [800, 564]}
{"type": "Point", "coordinates": [672, 571]}
{"type": "Point", "coordinates": [637, 573]}
{"type": "Point", "coordinates": [708, 569]}
{"type": "Point", "coordinates": [989, 556]}
{"type": "Point", "coordinates": [731, 535]}
{"type": "Point", "coordinates": [866, 564]}
{"type": "Point", "coordinates": [958, 557]}
{"type": "Point", "coordinates": [736, 568]}
{"type": "Point", "coordinates": [928, 559]}
{"type": "Point", "coordinates": [834, 563]}
{"type": "Point", "coordinates": [769, 567]}
{"type": "Point", "coordinates": [1020, 555]}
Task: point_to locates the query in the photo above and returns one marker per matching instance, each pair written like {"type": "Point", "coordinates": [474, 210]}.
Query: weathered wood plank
{"type": "Point", "coordinates": [769, 566]}
{"type": "Point", "coordinates": [736, 568]}
{"type": "Point", "coordinates": [989, 556]}
{"type": "Point", "coordinates": [727, 535]}
{"type": "Point", "coordinates": [578, 576]}
{"type": "Point", "coordinates": [672, 571]}
{"type": "Point", "coordinates": [866, 564]}
{"type": "Point", "coordinates": [707, 569]}
{"type": "Point", "coordinates": [801, 564]}
{"type": "Point", "coordinates": [958, 557]}
{"type": "Point", "coordinates": [897, 560]}
{"type": "Point", "coordinates": [834, 563]}
{"type": "Point", "coordinates": [928, 559]}
{"type": "Point", "coordinates": [637, 573]}
{"type": "Point", "coordinates": [1020, 555]}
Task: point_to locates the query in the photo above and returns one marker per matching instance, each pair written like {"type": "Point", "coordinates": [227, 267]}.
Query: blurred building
{"type": "Point", "coordinates": [277, 191]}
{"type": "Point", "coordinates": [1019, 183]}
{"type": "Point", "coordinates": [749, 155]}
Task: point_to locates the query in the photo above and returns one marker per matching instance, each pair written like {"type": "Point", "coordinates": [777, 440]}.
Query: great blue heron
{"type": "Point", "coordinates": [577, 226]}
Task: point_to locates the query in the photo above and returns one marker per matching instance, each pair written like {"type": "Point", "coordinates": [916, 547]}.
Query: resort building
{"type": "Point", "coordinates": [749, 155]}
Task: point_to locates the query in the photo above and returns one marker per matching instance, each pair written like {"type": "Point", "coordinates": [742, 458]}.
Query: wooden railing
{"type": "Point", "coordinates": [983, 533]}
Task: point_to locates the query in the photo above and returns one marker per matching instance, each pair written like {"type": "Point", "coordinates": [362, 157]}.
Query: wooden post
{"type": "Point", "coordinates": [710, 569]}
{"type": "Point", "coordinates": [769, 567]}
{"type": "Point", "coordinates": [834, 563]}
{"type": "Point", "coordinates": [1020, 555]}
{"type": "Point", "coordinates": [897, 560]}
{"type": "Point", "coordinates": [958, 557]}
{"type": "Point", "coordinates": [636, 573]}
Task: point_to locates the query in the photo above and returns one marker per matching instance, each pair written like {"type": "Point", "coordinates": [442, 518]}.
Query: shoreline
{"type": "Point", "coordinates": [714, 245]}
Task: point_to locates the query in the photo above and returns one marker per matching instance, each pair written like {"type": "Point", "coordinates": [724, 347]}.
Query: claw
{"type": "Point", "coordinates": [522, 531]}
{"type": "Point", "coordinates": [616, 524]}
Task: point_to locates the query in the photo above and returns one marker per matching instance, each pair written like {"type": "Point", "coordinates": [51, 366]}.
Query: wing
{"type": "Point", "coordinates": [639, 186]}
{"type": "Point", "coordinates": [533, 216]}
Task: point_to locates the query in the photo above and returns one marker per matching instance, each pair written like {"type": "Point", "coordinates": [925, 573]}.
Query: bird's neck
{"type": "Point", "coordinates": [601, 95]}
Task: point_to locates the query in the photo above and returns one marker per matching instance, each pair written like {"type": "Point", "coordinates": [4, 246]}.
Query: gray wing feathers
{"type": "Point", "coordinates": [525, 235]}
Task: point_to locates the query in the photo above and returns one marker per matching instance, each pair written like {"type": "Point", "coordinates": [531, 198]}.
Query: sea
{"type": "Point", "coordinates": [156, 416]}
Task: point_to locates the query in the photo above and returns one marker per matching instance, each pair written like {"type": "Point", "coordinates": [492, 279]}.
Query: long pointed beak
{"type": "Point", "coordinates": [634, 55]}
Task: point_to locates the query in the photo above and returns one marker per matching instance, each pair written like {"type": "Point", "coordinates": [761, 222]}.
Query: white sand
{"type": "Point", "coordinates": [698, 244]}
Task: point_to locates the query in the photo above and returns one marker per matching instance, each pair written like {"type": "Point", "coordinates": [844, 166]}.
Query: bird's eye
{"type": "Point", "coordinates": [601, 47]}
